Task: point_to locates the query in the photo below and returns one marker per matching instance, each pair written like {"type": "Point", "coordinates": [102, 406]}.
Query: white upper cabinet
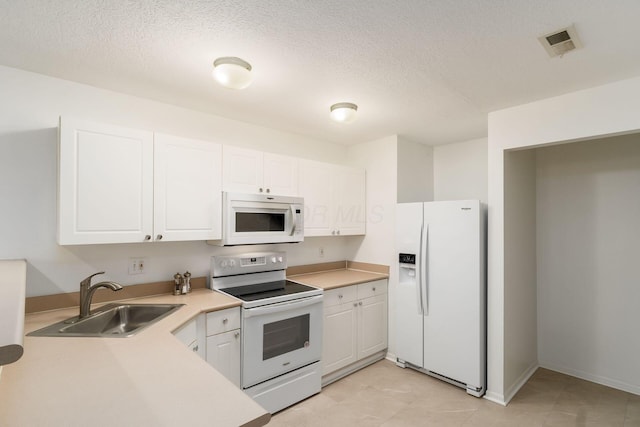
{"type": "Point", "coordinates": [187, 189]}
{"type": "Point", "coordinates": [119, 185]}
{"type": "Point", "coordinates": [315, 185]}
{"type": "Point", "coordinates": [241, 170]}
{"type": "Point", "coordinates": [280, 174]}
{"type": "Point", "coordinates": [255, 172]}
{"type": "Point", "coordinates": [105, 183]}
{"type": "Point", "coordinates": [334, 199]}
{"type": "Point", "coordinates": [116, 185]}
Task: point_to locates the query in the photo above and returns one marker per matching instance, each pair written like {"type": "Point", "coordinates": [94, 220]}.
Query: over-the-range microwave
{"type": "Point", "coordinates": [255, 219]}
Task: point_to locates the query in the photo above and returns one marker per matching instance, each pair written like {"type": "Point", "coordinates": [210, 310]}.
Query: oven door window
{"type": "Point", "coordinates": [250, 222]}
{"type": "Point", "coordinates": [284, 336]}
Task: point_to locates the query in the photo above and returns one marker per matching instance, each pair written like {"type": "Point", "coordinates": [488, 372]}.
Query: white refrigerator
{"type": "Point", "coordinates": [441, 292]}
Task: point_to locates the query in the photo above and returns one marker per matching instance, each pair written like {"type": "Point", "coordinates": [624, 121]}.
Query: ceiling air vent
{"type": "Point", "coordinates": [560, 42]}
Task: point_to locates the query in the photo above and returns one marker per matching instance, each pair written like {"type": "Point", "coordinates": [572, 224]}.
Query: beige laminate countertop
{"type": "Point", "coordinates": [332, 279]}
{"type": "Point", "coordinates": [150, 379]}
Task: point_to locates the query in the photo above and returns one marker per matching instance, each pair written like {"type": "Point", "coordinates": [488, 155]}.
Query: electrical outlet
{"type": "Point", "coordinates": [136, 265]}
{"type": "Point", "coordinates": [321, 252]}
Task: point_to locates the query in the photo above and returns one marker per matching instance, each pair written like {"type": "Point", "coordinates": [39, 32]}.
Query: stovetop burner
{"type": "Point", "coordinates": [260, 291]}
{"type": "Point", "coordinates": [257, 279]}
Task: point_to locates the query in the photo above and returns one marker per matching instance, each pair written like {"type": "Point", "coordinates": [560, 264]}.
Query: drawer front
{"type": "Point", "coordinates": [340, 296]}
{"type": "Point", "coordinates": [223, 320]}
{"type": "Point", "coordinates": [372, 289]}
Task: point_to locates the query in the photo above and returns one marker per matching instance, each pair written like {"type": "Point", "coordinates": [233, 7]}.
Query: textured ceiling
{"type": "Point", "coordinates": [427, 70]}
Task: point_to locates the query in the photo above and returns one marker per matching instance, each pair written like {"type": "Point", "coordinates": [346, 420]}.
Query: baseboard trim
{"type": "Point", "coordinates": [350, 369]}
{"type": "Point", "coordinates": [494, 397]}
{"type": "Point", "coordinates": [619, 385]}
{"type": "Point", "coordinates": [491, 395]}
{"type": "Point", "coordinates": [521, 381]}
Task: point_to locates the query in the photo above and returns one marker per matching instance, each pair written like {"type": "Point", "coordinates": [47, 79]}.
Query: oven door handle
{"type": "Point", "coordinates": [281, 306]}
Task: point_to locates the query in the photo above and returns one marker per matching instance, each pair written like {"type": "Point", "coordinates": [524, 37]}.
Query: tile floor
{"type": "Point", "coordinates": [388, 396]}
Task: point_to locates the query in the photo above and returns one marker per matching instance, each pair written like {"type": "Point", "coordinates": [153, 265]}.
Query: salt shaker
{"type": "Point", "coordinates": [187, 282]}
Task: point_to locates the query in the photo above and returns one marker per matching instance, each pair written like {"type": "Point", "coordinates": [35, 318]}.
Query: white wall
{"type": "Point", "coordinates": [460, 170]}
{"type": "Point", "coordinates": [588, 216]}
{"type": "Point", "coordinates": [415, 172]}
{"type": "Point", "coordinates": [30, 106]}
{"type": "Point", "coordinates": [520, 314]}
{"type": "Point", "coordinates": [601, 111]}
{"type": "Point", "coordinates": [380, 159]}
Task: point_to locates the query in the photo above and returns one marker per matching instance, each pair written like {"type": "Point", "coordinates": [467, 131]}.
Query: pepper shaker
{"type": "Point", "coordinates": [177, 278]}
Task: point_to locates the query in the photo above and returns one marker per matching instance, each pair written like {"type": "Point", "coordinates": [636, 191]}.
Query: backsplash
{"type": "Point", "coordinates": [63, 273]}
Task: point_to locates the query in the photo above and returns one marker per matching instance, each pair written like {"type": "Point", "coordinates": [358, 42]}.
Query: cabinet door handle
{"type": "Point", "coordinates": [236, 335]}
{"type": "Point", "coordinates": [333, 232]}
{"type": "Point", "coordinates": [340, 296]}
{"type": "Point", "coordinates": [159, 237]}
{"type": "Point", "coordinates": [225, 320]}
{"type": "Point", "coordinates": [195, 348]}
{"type": "Point", "coordinates": [268, 190]}
{"type": "Point", "coordinates": [360, 303]}
{"type": "Point", "coordinates": [355, 304]}
{"type": "Point", "coordinates": [338, 232]}
{"type": "Point", "coordinates": [147, 237]}
{"type": "Point", "coordinates": [261, 189]}
{"type": "Point", "coordinates": [373, 289]}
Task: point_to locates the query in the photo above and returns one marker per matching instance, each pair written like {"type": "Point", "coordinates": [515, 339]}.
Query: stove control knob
{"type": "Point", "coordinates": [279, 259]}
{"type": "Point", "coordinates": [232, 263]}
{"type": "Point", "coordinates": [273, 259]}
{"type": "Point", "coordinates": [223, 264]}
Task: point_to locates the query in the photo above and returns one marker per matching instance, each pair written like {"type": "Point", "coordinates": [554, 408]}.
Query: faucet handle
{"type": "Point", "coordinates": [87, 281]}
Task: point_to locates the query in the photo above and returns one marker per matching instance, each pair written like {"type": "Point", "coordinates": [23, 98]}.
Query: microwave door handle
{"type": "Point", "coordinates": [280, 307]}
{"type": "Point", "coordinates": [294, 220]}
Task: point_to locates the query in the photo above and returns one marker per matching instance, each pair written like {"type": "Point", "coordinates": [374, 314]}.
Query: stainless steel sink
{"type": "Point", "coordinates": [113, 320]}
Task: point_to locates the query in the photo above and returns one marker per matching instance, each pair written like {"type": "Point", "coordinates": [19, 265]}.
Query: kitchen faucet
{"type": "Point", "coordinates": [86, 293]}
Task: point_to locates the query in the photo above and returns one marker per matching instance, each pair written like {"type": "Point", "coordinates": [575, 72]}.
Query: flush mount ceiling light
{"type": "Point", "coordinates": [344, 112]}
{"type": "Point", "coordinates": [232, 72]}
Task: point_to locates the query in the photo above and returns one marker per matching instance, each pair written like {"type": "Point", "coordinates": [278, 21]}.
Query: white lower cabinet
{"type": "Point", "coordinates": [223, 342]}
{"type": "Point", "coordinates": [340, 337]}
{"type": "Point", "coordinates": [223, 353]}
{"type": "Point", "coordinates": [192, 334]}
{"type": "Point", "coordinates": [355, 327]}
{"type": "Point", "coordinates": [372, 325]}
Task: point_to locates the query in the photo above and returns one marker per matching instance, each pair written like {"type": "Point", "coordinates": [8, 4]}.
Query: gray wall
{"type": "Point", "coordinates": [588, 222]}
{"type": "Point", "coordinates": [460, 170]}
{"type": "Point", "coordinates": [520, 314]}
{"type": "Point", "coordinates": [415, 172]}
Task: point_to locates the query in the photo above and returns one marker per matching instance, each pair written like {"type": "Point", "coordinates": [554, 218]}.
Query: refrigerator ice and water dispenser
{"type": "Point", "coordinates": [407, 268]}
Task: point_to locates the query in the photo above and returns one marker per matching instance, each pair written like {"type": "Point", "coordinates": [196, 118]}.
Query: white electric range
{"type": "Point", "coordinates": [281, 327]}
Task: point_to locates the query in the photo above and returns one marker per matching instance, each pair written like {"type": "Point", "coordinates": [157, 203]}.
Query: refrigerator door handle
{"type": "Point", "coordinates": [420, 268]}
{"type": "Point", "coordinates": [424, 259]}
